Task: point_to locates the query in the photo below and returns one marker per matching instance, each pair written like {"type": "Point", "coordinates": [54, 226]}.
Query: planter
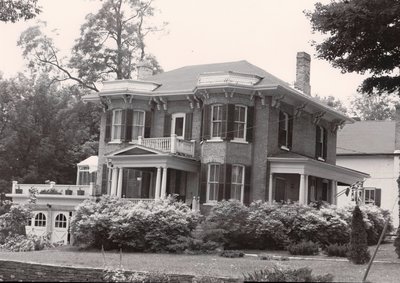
{"type": "Point", "coordinates": [81, 193]}
{"type": "Point", "coordinates": [18, 191]}
{"type": "Point", "coordinates": [68, 192]}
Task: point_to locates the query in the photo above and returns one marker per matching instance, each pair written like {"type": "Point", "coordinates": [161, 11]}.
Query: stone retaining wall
{"type": "Point", "coordinates": [24, 271]}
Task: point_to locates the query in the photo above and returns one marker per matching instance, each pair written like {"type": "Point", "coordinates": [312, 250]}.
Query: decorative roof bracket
{"type": "Point", "coordinates": [336, 125]}
{"type": "Point", "coordinates": [106, 102]}
{"type": "Point", "coordinates": [276, 101]}
{"type": "Point", "coordinates": [191, 102]}
{"type": "Point", "coordinates": [164, 102]}
{"type": "Point", "coordinates": [299, 110]}
{"type": "Point", "coordinates": [317, 117]}
{"type": "Point", "coordinates": [198, 101]}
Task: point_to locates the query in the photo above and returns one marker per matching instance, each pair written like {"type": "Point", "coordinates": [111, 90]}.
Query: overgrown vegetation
{"type": "Point", "coordinates": [358, 248]}
{"type": "Point", "coordinates": [303, 248]}
{"type": "Point", "coordinates": [337, 250]}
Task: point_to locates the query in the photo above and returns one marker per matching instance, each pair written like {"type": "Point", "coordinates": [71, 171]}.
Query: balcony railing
{"type": "Point", "coordinates": [170, 144]}
{"type": "Point", "coordinates": [53, 189]}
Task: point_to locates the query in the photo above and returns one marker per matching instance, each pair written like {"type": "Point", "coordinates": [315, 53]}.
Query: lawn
{"type": "Point", "coordinates": [387, 269]}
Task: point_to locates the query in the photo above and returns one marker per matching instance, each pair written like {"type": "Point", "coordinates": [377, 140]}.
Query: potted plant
{"type": "Point", "coordinates": [68, 192]}
{"type": "Point", "coordinates": [80, 192]}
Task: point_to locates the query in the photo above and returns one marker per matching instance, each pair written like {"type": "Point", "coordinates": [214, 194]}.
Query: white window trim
{"type": "Point", "coordinates": [218, 138]}
{"type": "Point", "coordinates": [245, 124]}
{"type": "Point", "coordinates": [133, 123]}
{"type": "Point", "coordinates": [242, 183]}
{"type": "Point", "coordinates": [208, 201]}
{"type": "Point", "coordinates": [112, 127]}
{"type": "Point", "coordinates": [173, 124]}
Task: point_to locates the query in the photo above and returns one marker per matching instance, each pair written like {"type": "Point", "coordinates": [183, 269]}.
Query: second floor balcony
{"type": "Point", "coordinates": [171, 144]}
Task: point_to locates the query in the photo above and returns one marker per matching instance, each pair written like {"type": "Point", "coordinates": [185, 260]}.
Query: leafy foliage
{"type": "Point", "coordinates": [333, 102]}
{"type": "Point", "coordinates": [358, 250]}
{"type": "Point", "coordinates": [231, 253]}
{"type": "Point", "coordinates": [27, 243]}
{"type": "Point", "coordinates": [361, 36]}
{"type": "Point", "coordinates": [110, 45]}
{"type": "Point", "coordinates": [112, 222]}
{"type": "Point", "coordinates": [282, 274]}
{"type": "Point", "coordinates": [369, 107]}
{"type": "Point", "coordinates": [12, 223]}
{"type": "Point", "coordinates": [303, 248]}
{"type": "Point", "coordinates": [337, 250]}
{"type": "Point", "coordinates": [15, 10]}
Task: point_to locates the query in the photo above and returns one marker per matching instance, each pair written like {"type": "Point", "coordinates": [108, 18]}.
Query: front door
{"type": "Point", "coordinates": [280, 189]}
{"type": "Point", "coordinates": [178, 125]}
{"type": "Point", "coordinates": [60, 228]}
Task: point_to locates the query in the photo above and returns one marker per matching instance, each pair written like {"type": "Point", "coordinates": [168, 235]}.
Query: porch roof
{"type": "Point", "coordinates": [312, 167]}
{"type": "Point", "coordinates": [137, 156]}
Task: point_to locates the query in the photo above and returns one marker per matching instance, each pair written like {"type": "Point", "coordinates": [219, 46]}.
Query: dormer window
{"type": "Point", "coordinates": [321, 143]}
{"type": "Point", "coordinates": [285, 130]}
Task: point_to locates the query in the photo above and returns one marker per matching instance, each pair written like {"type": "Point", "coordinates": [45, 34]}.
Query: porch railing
{"type": "Point", "coordinates": [170, 144]}
{"type": "Point", "coordinates": [53, 189]}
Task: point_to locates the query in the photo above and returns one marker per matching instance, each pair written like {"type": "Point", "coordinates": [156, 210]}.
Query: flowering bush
{"type": "Point", "coordinates": [22, 243]}
{"type": "Point", "coordinates": [375, 218]}
{"type": "Point", "coordinates": [112, 222]}
{"type": "Point", "coordinates": [13, 222]}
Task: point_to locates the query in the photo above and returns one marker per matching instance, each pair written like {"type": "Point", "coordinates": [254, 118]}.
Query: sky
{"type": "Point", "coordinates": [267, 33]}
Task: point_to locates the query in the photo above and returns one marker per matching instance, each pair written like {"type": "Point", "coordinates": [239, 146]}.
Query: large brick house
{"type": "Point", "coordinates": [219, 131]}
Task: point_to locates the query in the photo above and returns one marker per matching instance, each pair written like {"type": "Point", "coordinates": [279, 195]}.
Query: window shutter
{"type": "Point", "coordinates": [228, 180]}
{"type": "Point", "coordinates": [148, 116]}
{"type": "Point", "coordinates": [325, 144]}
{"type": "Point", "coordinates": [128, 128]}
{"type": "Point", "coordinates": [224, 122]}
{"type": "Point", "coordinates": [109, 117]}
{"type": "Point", "coordinates": [230, 127]}
{"type": "Point", "coordinates": [167, 125]}
{"type": "Point", "coordinates": [378, 197]}
{"type": "Point", "coordinates": [247, 185]}
{"type": "Point", "coordinates": [203, 183]}
{"type": "Point", "coordinates": [250, 124]}
{"type": "Point", "coordinates": [104, 179]}
{"type": "Point", "coordinates": [123, 125]}
{"type": "Point", "coordinates": [188, 126]}
{"type": "Point", "coordinates": [290, 132]}
{"type": "Point", "coordinates": [281, 132]}
{"type": "Point", "coordinates": [206, 123]}
{"type": "Point", "coordinates": [317, 142]}
{"type": "Point", "coordinates": [221, 187]}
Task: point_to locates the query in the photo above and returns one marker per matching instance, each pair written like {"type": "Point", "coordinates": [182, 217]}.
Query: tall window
{"type": "Point", "coordinates": [116, 125]}
{"type": "Point", "coordinates": [285, 130]}
{"type": "Point", "coordinates": [216, 121]}
{"type": "Point", "coordinates": [137, 124]}
{"type": "Point", "coordinates": [372, 196]}
{"type": "Point", "coordinates": [237, 182]}
{"type": "Point", "coordinates": [321, 143]}
{"type": "Point", "coordinates": [40, 220]}
{"type": "Point", "coordinates": [61, 221]}
{"type": "Point", "coordinates": [240, 122]}
{"type": "Point", "coordinates": [213, 182]}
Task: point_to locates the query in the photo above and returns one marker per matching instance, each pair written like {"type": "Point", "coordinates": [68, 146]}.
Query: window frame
{"type": "Point", "coordinates": [114, 125]}
{"type": "Point", "coordinates": [212, 121]}
{"type": "Point", "coordinates": [63, 222]}
{"type": "Point", "coordinates": [40, 220]}
{"type": "Point", "coordinates": [215, 182]}
{"type": "Point", "coordinates": [137, 125]}
{"type": "Point", "coordinates": [322, 143]}
{"type": "Point", "coordinates": [369, 189]}
{"type": "Point", "coordinates": [236, 123]}
{"type": "Point", "coordinates": [286, 146]}
{"type": "Point", "coordinates": [173, 123]}
{"type": "Point", "coordinates": [236, 183]}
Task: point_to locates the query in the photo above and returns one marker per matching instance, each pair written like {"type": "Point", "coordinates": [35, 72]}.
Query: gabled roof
{"type": "Point", "coordinates": [185, 78]}
{"type": "Point", "coordinates": [367, 137]}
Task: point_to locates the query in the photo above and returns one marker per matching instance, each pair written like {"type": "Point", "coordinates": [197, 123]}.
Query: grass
{"type": "Point", "coordinates": [387, 269]}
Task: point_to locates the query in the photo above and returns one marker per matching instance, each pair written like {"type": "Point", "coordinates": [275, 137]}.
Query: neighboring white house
{"type": "Point", "coordinates": [55, 204]}
{"type": "Point", "coordinates": [370, 146]}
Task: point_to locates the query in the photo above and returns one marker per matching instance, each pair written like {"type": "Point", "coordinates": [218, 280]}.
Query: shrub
{"type": "Point", "coordinates": [281, 274]}
{"type": "Point", "coordinates": [337, 250]}
{"type": "Point", "coordinates": [13, 222]}
{"type": "Point", "coordinates": [375, 219]}
{"type": "Point", "coordinates": [358, 249]}
{"type": "Point", "coordinates": [163, 225]}
{"type": "Point", "coordinates": [231, 253]}
{"type": "Point", "coordinates": [50, 192]}
{"type": "Point", "coordinates": [303, 248]}
{"type": "Point", "coordinates": [22, 243]}
{"type": "Point", "coordinates": [120, 275]}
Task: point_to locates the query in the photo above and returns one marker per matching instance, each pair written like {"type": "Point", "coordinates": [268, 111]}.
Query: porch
{"type": "Point", "coordinates": [171, 144]}
{"type": "Point", "coordinates": [307, 180]}
{"type": "Point", "coordinates": [140, 173]}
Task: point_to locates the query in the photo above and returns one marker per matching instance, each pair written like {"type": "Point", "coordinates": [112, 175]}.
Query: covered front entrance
{"type": "Point", "coordinates": [307, 180]}
{"type": "Point", "coordinates": [139, 173]}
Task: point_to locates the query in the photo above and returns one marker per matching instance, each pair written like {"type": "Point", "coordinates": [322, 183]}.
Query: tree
{"type": "Point", "coordinates": [370, 107]}
{"type": "Point", "coordinates": [361, 36]}
{"type": "Point", "coordinates": [110, 45]}
{"type": "Point", "coordinates": [358, 249]}
{"type": "Point", "coordinates": [15, 10]}
{"type": "Point", "coordinates": [333, 102]}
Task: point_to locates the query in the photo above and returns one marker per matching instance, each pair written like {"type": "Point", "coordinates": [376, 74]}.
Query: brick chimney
{"type": "Point", "coordinates": [303, 72]}
{"type": "Point", "coordinates": [144, 70]}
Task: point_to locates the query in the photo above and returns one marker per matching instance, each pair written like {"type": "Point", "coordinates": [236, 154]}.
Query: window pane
{"type": "Point", "coordinates": [117, 117]}
{"type": "Point", "coordinates": [179, 126]}
{"type": "Point", "coordinates": [216, 129]}
{"type": "Point", "coordinates": [236, 192]}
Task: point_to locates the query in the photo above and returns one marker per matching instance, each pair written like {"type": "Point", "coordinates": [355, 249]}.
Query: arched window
{"type": "Point", "coordinates": [40, 220]}
{"type": "Point", "coordinates": [61, 221]}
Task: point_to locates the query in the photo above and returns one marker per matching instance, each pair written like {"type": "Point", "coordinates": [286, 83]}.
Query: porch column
{"type": "Point", "coordinates": [302, 189]}
{"type": "Point", "coordinates": [270, 188]}
{"type": "Point", "coordinates": [333, 192]}
{"type": "Point", "coordinates": [164, 183]}
{"type": "Point", "coordinates": [119, 186]}
{"type": "Point", "coordinates": [114, 181]}
{"type": "Point", "coordinates": [306, 189]}
{"type": "Point", "coordinates": [158, 183]}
